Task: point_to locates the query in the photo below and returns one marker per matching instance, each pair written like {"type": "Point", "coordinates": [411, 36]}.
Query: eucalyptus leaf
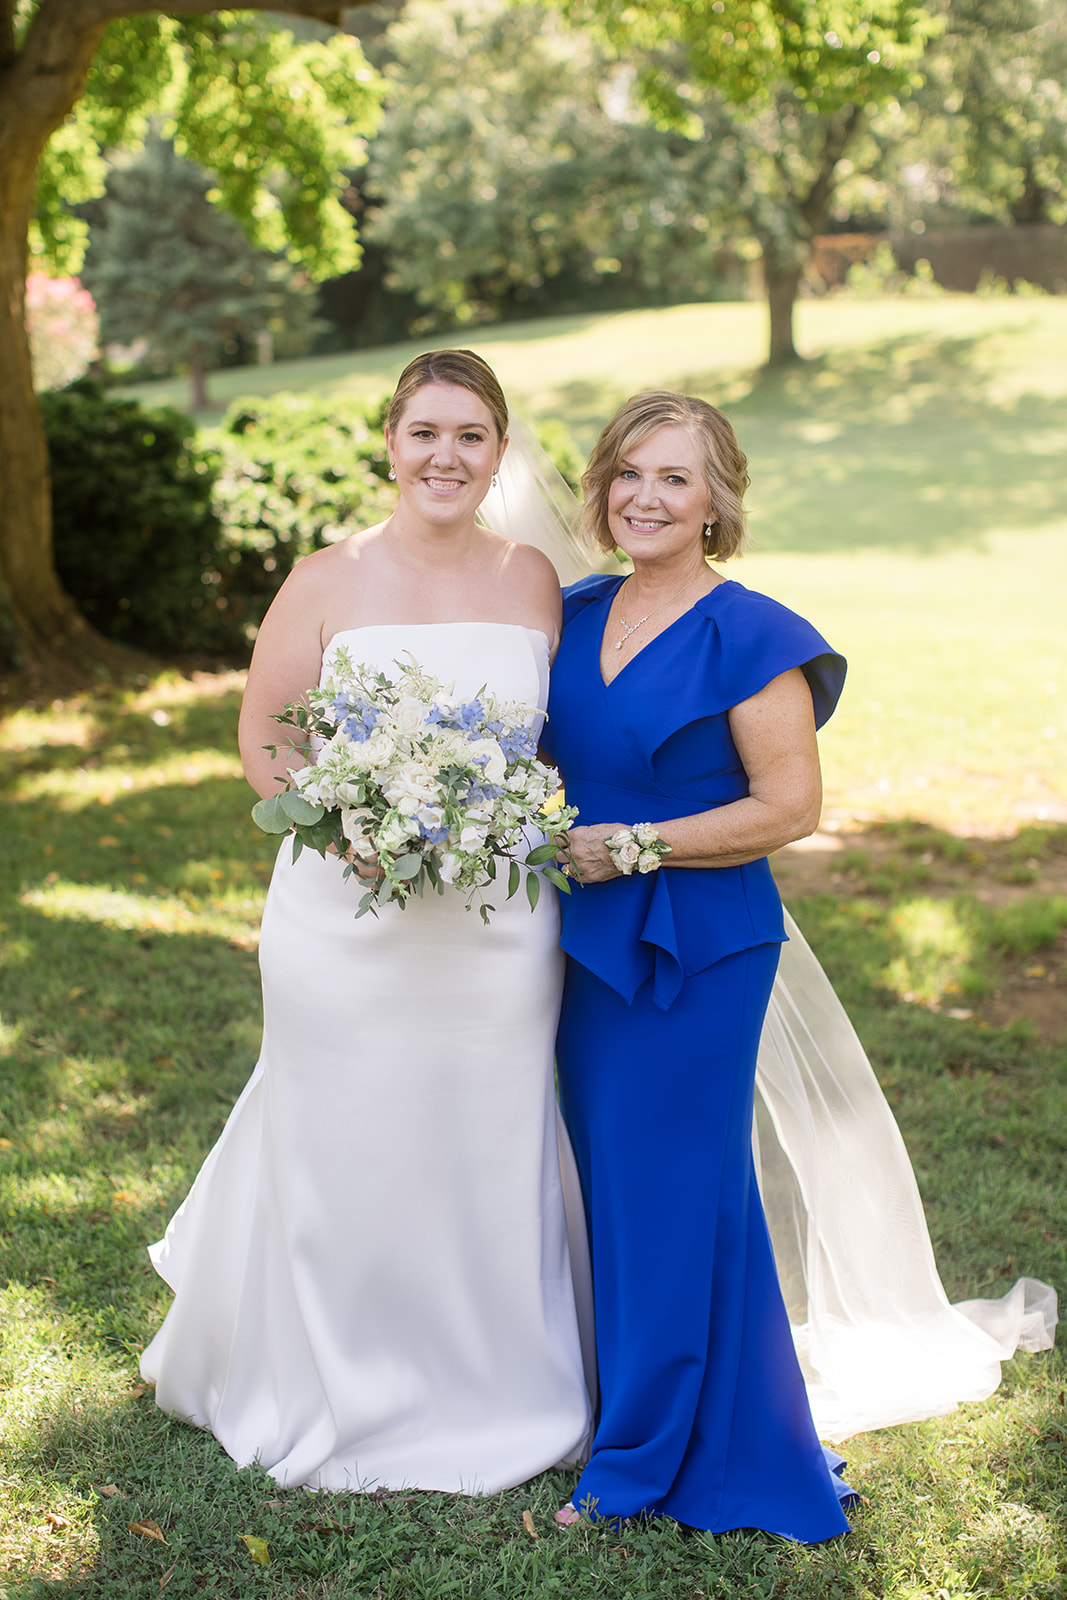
{"type": "Point", "coordinates": [269, 815]}
{"type": "Point", "coordinates": [298, 846]}
{"type": "Point", "coordinates": [297, 809]}
{"type": "Point", "coordinates": [406, 867]}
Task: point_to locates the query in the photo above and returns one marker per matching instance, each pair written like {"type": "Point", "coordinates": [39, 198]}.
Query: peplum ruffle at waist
{"type": "Point", "coordinates": [670, 924]}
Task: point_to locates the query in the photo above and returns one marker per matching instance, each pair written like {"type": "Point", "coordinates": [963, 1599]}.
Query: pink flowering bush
{"type": "Point", "coordinates": [63, 327]}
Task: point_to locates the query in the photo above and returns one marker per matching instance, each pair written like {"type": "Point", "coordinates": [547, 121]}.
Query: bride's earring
{"type": "Point", "coordinates": [392, 473]}
{"type": "Point", "coordinates": [493, 481]}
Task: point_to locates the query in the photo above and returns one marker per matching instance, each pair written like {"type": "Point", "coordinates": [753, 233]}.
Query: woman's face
{"type": "Point", "coordinates": [658, 502]}
{"type": "Point", "coordinates": [444, 451]}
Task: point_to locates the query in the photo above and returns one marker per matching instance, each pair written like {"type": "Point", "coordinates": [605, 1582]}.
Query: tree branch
{"type": "Point", "coordinates": [79, 16]}
{"type": "Point", "coordinates": [816, 204]}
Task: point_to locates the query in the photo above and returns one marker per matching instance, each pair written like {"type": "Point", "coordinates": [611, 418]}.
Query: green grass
{"type": "Point", "coordinates": [129, 896]}
{"type": "Point", "coordinates": [908, 498]}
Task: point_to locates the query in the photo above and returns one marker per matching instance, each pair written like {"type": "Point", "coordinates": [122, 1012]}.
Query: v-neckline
{"type": "Point", "coordinates": [606, 683]}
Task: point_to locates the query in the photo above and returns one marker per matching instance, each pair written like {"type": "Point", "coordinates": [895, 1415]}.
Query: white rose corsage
{"type": "Point", "coordinates": [636, 849]}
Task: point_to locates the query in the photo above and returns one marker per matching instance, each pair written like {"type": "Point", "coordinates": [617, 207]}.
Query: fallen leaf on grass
{"type": "Point", "coordinates": [167, 1576]}
{"type": "Point", "coordinates": [528, 1524]}
{"type": "Point", "coordinates": [54, 1520]}
{"type": "Point", "coordinates": [257, 1548]}
{"type": "Point", "coordinates": [148, 1530]}
{"type": "Point", "coordinates": [108, 1490]}
{"type": "Point", "coordinates": [138, 1390]}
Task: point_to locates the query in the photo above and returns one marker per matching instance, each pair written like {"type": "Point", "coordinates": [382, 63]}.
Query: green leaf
{"type": "Point", "coordinates": [269, 814]}
{"type": "Point", "coordinates": [298, 846]}
{"type": "Point", "coordinates": [554, 875]}
{"type": "Point", "coordinates": [485, 910]}
{"type": "Point", "coordinates": [533, 889]}
{"type": "Point", "coordinates": [514, 878]}
{"type": "Point", "coordinates": [542, 853]}
{"type": "Point", "coordinates": [297, 809]}
{"type": "Point", "coordinates": [406, 867]}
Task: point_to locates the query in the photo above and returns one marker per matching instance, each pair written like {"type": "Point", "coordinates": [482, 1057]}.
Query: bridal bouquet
{"type": "Point", "coordinates": [433, 788]}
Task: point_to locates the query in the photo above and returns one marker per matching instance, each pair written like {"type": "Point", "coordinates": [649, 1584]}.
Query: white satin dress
{"type": "Point", "coordinates": [372, 1274]}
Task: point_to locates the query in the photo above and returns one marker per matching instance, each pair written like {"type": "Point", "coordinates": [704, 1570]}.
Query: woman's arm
{"type": "Point", "coordinates": [774, 733]}
{"type": "Point", "coordinates": [285, 663]}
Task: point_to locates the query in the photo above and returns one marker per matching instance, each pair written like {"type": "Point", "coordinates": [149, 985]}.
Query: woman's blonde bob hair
{"type": "Point", "coordinates": [461, 367]}
{"type": "Point", "coordinates": [723, 460]}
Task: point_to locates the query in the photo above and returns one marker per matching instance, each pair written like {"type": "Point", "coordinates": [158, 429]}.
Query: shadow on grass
{"type": "Point", "coordinates": [898, 445]}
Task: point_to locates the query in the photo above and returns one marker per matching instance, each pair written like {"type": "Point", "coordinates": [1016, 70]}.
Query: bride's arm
{"type": "Point", "coordinates": [774, 733]}
{"type": "Point", "coordinates": [285, 663]}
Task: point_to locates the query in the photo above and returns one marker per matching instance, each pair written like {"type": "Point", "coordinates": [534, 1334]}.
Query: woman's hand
{"type": "Point", "coordinates": [588, 853]}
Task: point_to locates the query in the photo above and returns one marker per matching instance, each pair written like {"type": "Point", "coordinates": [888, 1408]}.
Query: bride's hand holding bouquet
{"type": "Point", "coordinates": [414, 787]}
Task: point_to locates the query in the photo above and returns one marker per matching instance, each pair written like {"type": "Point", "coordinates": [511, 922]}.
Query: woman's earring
{"type": "Point", "coordinates": [392, 473]}
{"type": "Point", "coordinates": [492, 484]}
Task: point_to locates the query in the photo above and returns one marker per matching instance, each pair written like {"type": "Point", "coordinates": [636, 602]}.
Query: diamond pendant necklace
{"type": "Point", "coordinates": [632, 627]}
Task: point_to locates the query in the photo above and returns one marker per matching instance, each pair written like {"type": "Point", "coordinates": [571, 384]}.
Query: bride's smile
{"type": "Point", "coordinates": [444, 454]}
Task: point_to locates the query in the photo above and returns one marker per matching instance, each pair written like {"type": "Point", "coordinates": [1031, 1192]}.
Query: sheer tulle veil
{"type": "Point", "coordinates": [878, 1341]}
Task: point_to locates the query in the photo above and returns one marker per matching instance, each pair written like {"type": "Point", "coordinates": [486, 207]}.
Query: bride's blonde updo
{"type": "Point", "coordinates": [460, 367]}
{"type": "Point", "coordinates": [724, 463]}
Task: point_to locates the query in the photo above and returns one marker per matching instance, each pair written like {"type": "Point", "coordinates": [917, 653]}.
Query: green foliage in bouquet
{"type": "Point", "coordinates": [137, 543]}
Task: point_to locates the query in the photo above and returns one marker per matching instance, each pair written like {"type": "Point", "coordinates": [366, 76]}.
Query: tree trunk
{"type": "Point", "coordinates": [41, 78]}
{"type": "Point", "coordinates": [37, 621]}
{"type": "Point", "coordinates": [197, 381]}
{"type": "Point", "coordinates": [781, 279]}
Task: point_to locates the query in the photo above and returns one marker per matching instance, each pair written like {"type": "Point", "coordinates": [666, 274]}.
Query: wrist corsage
{"type": "Point", "coordinates": [636, 849]}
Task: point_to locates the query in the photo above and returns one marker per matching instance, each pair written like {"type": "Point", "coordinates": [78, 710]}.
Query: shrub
{"type": "Point", "coordinates": [295, 473]}
{"type": "Point", "coordinates": [300, 471]}
{"type": "Point", "coordinates": [137, 544]}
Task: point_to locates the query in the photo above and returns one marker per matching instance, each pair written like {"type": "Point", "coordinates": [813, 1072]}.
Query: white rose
{"type": "Point", "coordinates": [349, 793]}
{"type": "Point", "coordinates": [627, 854]}
{"type": "Point", "coordinates": [645, 833]}
{"type": "Point", "coordinates": [406, 717]}
{"type": "Point", "coordinates": [380, 748]}
{"type": "Point", "coordinates": [411, 788]}
{"type": "Point", "coordinates": [495, 766]}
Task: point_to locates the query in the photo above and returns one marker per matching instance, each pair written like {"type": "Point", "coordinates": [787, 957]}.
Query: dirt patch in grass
{"type": "Point", "coordinates": [1014, 891]}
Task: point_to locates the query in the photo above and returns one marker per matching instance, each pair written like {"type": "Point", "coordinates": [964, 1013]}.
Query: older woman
{"type": "Point", "coordinates": [682, 715]}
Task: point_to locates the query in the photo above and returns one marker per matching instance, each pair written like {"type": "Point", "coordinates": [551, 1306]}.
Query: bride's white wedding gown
{"type": "Point", "coordinates": [372, 1277]}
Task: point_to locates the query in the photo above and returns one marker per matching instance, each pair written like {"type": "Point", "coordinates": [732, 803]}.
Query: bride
{"type": "Point", "coordinates": [372, 1278]}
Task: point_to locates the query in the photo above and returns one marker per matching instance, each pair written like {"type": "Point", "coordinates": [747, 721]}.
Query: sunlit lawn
{"type": "Point", "coordinates": [130, 887]}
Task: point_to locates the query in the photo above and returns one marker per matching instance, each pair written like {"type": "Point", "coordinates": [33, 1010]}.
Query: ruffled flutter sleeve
{"type": "Point", "coordinates": [654, 744]}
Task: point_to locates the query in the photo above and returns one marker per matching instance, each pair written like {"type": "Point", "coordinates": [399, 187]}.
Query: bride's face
{"type": "Point", "coordinates": [444, 451]}
{"type": "Point", "coordinates": [658, 500]}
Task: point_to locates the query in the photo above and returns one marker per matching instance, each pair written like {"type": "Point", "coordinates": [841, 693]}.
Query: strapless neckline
{"type": "Point", "coordinates": [374, 627]}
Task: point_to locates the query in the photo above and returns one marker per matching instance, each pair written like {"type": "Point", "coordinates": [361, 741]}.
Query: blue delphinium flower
{"type": "Point", "coordinates": [357, 717]}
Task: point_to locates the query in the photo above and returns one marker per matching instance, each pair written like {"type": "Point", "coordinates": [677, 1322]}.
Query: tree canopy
{"type": "Point", "coordinates": [280, 122]}
{"type": "Point", "coordinates": [788, 82]}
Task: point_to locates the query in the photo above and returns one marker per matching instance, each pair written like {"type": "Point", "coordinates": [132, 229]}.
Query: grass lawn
{"type": "Point", "coordinates": [909, 499]}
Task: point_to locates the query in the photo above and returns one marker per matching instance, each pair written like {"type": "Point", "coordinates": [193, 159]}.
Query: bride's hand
{"type": "Point", "coordinates": [366, 867]}
{"type": "Point", "coordinates": [589, 854]}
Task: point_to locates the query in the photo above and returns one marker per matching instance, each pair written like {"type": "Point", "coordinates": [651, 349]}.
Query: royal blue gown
{"type": "Point", "coordinates": [704, 1415]}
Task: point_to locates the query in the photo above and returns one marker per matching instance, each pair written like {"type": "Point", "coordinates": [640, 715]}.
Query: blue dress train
{"type": "Point", "coordinates": [704, 1414]}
